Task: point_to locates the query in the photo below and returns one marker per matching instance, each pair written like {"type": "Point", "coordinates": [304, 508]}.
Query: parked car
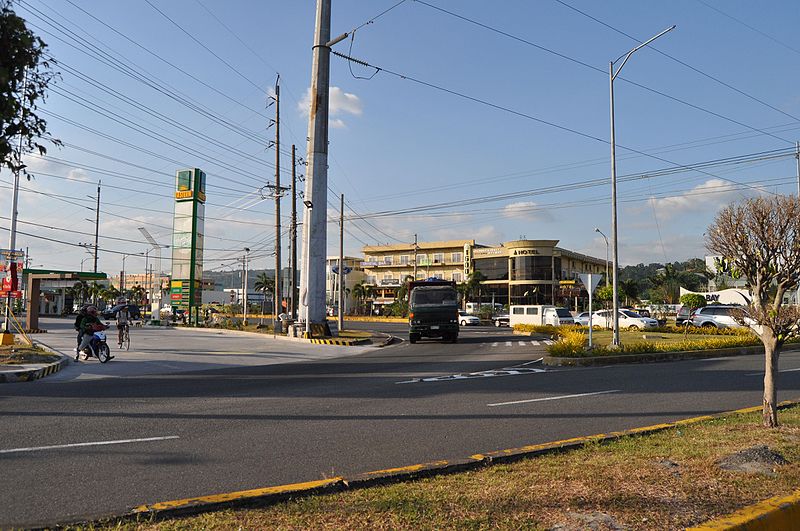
{"type": "Point", "coordinates": [683, 315]}
{"type": "Point", "coordinates": [500, 320]}
{"type": "Point", "coordinates": [627, 319]}
{"type": "Point", "coordinates": [716, 316]}
{"type": "Point", "coordinates": [644, 312]}
{"type": "Point", "coordinates": [111, 313]}
{"type": "Point", "coordinates": [465, 319]}
{"type": "Point", "coordinates": [582, 319]}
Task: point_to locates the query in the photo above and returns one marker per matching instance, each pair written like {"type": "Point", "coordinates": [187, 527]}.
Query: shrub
{"type": "Point", "coordinates": [571, 343]}
{"type": "Point", "coordinates": [565, 347]}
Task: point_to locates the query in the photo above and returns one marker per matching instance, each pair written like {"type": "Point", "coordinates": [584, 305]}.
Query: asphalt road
{"type": "Point", "coordinates": [243, 427]}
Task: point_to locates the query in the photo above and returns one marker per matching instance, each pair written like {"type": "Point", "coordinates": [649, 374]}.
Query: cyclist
{"type": "Point", "coordinates": [123, 323]}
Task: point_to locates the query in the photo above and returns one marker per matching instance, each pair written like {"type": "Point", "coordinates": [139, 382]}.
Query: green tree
{"type": "Point", "coordinates": [604, 295]}
{"type": "Point", "coordinates": [138, 294]}
{"type": "Point", "coordinates": [264, 284]}
{"type": "Point", "coordinates": [25, 73]}
{"type": "Point", "coordinates": [630, 290]}
{"type": "Point", "coordinates": [474, 285]}
{"type": "Point", "coordinates": [692, 301]}
{"type": "Point", "coordinates": [362, 292]}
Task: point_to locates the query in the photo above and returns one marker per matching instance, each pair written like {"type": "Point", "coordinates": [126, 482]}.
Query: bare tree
{"type": "Point", "coordinates": [761, 240]}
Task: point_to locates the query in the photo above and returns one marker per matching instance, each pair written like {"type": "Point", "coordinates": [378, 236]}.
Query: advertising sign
{"type": "Point", "coordinates": [11, 264]}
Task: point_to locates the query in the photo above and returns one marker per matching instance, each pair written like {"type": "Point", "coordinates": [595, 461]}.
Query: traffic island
{"type": "Point", "coordinates": [22, 363]}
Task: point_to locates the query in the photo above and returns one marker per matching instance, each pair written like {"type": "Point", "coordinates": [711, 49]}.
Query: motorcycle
{"type": "Point", "coordinates": [98, 348]}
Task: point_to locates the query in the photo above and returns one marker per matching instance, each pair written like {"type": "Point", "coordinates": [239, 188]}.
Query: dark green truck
{"type": "Point", "coordinates": [432, 310]}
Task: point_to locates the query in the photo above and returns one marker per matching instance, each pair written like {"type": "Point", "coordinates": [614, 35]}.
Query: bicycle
{"type": "Point", "coordinates": [124, 340]}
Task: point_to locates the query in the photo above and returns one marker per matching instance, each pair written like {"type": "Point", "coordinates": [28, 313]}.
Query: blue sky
{"type": "Point", "coordinates": [498, 98]}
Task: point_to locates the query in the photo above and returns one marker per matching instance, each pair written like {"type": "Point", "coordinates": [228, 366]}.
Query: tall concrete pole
{"type": "Point", "coordinates": [96, 226]}
{"type": "Point", "coordinates": [341, 265]}
{"type": "Point", "coordinates": [277, 289]}
{"type": "Point", "coordinates": [312, 282]}
{"type": "Point", "coordinates": [797, 156]}
{"type": "Point", "coordinates": [293, 240]}
{"type": "Point", "coordinates": [416, 250]}
{"type": "Point", "coordinates": [615, 249]}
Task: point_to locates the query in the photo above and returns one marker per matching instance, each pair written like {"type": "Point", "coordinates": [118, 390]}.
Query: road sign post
{"type": "Point", "coordinates": [590, 281]}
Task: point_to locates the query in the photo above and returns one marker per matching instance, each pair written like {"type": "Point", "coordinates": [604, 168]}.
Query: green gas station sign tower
{"type": "Point", "coordinates": [187, 242]}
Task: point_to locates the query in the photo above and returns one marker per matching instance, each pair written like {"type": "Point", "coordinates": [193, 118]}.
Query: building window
{"type": "Point", "coordinates": [438, 258]}
{"type": "Point", "coordinates": [493, 268]}
{"type": "Point", "coordinates": [456, 257]}
{"type": "Point", "coordinates": [387, 260]}
{"type": "Point", "coordinates": [403, 259]}
{"type": "Point", "coordinates": [532, 268]}
{"type": "Point", "coordinates": [422, 259]}
{"type": "Point", "coordinates": [456, 277]}
{"type": "Point", "coordinates": [440, 276]}
{"type": "Point", "coordinates": [388, 276]}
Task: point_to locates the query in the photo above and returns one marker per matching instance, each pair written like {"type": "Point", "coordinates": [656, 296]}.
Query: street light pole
{"type": "Point", "coordinates": [606, 239]}
{"type": "Point", "coordinates": [611, 76]}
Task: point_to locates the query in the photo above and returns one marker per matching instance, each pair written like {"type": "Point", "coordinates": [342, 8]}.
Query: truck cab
{"type": "Point", "coordinates": [432, 310]}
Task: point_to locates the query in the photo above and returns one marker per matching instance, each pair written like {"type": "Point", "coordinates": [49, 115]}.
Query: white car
{"type": "Point", "coordinates": [628, 319]}
{"type": "Point", "coordinates": [465, 319]}
{"type": "Point", "coordinates": [582, 319]}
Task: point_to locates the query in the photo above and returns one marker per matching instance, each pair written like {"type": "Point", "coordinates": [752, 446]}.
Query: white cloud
{"type": "Point", "coordinates": [526, 210]}
{"type": "Point", "coordinates": [339, 103]}
{"type": "Point", "coordinates": [78, 174]}
{"type": "Point", "coordinates": [709, 196]}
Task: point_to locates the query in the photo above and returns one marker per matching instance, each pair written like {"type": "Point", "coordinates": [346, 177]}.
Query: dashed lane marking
{"type": "Point", "coordinates": [492, 373]}
{"type": "Point", "coordinates": [552, 398]}
{"type": "Point", "coordinates": [762, 373]}
{"type": "Point", "coordinates": [508, 343]}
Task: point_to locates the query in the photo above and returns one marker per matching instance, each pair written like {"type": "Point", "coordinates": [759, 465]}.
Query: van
{"type": "Point", "coordinates": [539, 315]}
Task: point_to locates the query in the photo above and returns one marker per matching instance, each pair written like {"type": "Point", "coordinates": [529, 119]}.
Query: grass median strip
{"type": "Point", "coordinates": [672, 479]}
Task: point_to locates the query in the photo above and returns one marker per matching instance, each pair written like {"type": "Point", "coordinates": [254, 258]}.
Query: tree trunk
{"type": "Point", "coordinates": [769, 413]}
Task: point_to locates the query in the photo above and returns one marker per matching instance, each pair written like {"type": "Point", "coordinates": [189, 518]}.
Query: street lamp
{"type": "Point", "coordinates": [606, 239]}
{"type": "Point", "coordinates": [611, 76]}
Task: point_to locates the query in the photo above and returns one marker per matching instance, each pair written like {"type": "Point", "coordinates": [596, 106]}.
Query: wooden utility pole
{"type": "Point", "coordinates": [96, 226]}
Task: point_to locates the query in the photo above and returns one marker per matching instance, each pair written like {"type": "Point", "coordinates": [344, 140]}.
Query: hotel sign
{"type": "Point", "coordinates": [524, 252]}
{"type": "Point", "coordinates": [467, 260]}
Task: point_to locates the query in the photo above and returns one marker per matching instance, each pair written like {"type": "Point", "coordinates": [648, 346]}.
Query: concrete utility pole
{"type": "Point", "coordinates": [312, 282]}
{"type": "Point", "coordinates": [293, 240]}
{"type": "Point", "coordinates": [244, 283]}
{"type": "Point", "coordinates": [416, 250]}
{"type": "Point", "coordinates": [615, 254]}
{"type": "Point", "coordinates": [797, 156]}
{"type": "Point", "coordinates": [96, 226]}
{"type": "Point", "coordinates": [341, 265]}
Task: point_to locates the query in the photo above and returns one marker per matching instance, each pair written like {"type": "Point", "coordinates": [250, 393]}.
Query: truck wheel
{"type": "Point", "coordinates": [413, 338]}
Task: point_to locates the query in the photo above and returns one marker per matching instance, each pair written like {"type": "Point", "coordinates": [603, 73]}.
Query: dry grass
{"type": "Point", "coordinates": [22, 354]}
{"type": "Point", "coordinates": [630, 480]}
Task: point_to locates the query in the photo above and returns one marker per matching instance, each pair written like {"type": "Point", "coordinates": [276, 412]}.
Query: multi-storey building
{"type": "Point", "coordinates": [353, 275]}
{"type": "Point", "coordinates": [515, 272]}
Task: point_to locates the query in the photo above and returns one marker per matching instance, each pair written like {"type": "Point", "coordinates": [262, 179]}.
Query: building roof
{"type": "Point", "coordinates": [447, 244]}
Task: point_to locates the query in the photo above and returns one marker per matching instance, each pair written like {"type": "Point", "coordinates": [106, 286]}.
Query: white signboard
{"type": "Point", "coordinates": [590, 281]}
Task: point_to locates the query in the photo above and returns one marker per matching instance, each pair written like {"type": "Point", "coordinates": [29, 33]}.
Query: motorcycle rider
{"type": "Point", "coordinates": [89, 325]}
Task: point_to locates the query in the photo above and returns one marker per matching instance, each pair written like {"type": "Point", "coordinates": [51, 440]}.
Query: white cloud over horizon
{"type": "Point", "coordinates": [339, 103]}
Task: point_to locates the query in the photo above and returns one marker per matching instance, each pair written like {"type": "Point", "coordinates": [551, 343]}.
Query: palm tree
{"type": "Point", "coordinates": [138, 294]}
{"type": "Point", "coordinates": [630, 289]}
{"type": "Point", "coordinates": [265, 285]}
{"type": "Point", "coordinates": [80, 290]}
{"type": "Point", "coordinates": [362, 292]}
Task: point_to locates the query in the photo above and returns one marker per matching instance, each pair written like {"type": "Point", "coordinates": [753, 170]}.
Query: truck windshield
{"type": "Point", "coordinates": [434, 297]}
{"type": "Point", "coordinates": [563, 312]}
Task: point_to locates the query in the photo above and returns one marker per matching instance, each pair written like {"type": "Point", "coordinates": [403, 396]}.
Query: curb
{"type": "Point", "coordinates": [271, 495]}
{"type": "Point", "coordinates": [340, 342]}
{"type": "Point", "coordinates": [332, 341]}
{"type": "Point", "coordinates": [588, 361]}
{"type": "Point", "coordinates": [781, 512]}
{"type": "Point", "coordinates": [29, 375]}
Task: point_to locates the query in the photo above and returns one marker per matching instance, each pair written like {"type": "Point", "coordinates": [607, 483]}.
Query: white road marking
{"type": "Point", "coordinates": [552, 398]}
{"type": "Point", "coordinates": [535, 343]}
{"type": "Point", "coordinates": [548, 341]}
{"type": "Point", "coordinates": [508, 343]}
{"type": "Point", "coordinates": [532, 362]}
{"type": "Point", "coordinates": [522, 343]}
{"type": "Point", "coordinates": [762, 374]}
{"type": "Point", "coordinates": [96, 443]}
{"type": "Point", "coordinates": [495, 344]}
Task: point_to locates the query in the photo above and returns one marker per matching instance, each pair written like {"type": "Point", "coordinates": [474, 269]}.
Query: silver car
{"type": "Point", "coordinates": [716, 316]}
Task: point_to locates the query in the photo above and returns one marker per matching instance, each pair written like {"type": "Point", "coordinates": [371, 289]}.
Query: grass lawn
{"type": "Point", "coordinates": [22, 354]}
{"type": "Point", "coordinates": [663, 481]}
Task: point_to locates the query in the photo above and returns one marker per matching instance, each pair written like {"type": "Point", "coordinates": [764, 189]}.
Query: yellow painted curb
{"type": "Point", "coordinates": [773, 514]}
{"type": "Point", "coordinates": [236, 496]}
{"type": "Point", "coordinates": [782, 512]}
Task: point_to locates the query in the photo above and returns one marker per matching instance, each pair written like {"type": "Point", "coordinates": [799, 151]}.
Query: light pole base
{"type": "Point", "coordinates": [6, 339]}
